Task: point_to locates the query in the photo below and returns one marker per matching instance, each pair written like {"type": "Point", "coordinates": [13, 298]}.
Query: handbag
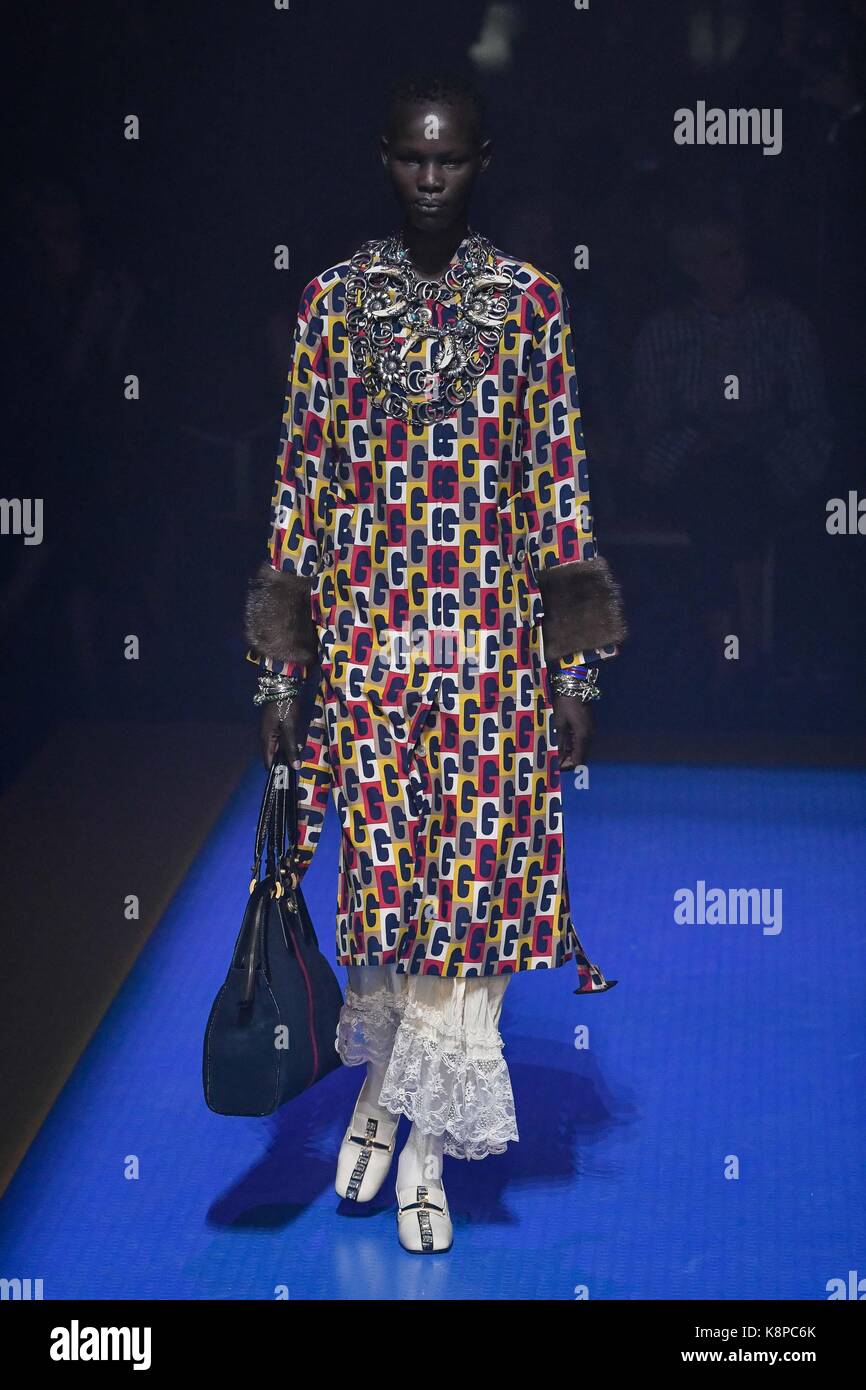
{"type": "Point", "coordinates": [272, 1027]}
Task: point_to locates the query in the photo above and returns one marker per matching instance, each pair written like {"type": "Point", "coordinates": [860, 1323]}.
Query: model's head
{"type": "Point", "coordinates": [434, 146]}
{"type": "Point", "coordinates": [710, 251]}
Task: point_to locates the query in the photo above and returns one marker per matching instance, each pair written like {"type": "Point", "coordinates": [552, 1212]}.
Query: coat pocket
{"type": "Point", "coordinates": [344, 529]}
{"type": "Point", "coordinates": [513, 527]}
{"type": "Point", "coordinates": [518, 587]}
{"type": "Point", "coordinates": [344, 561]}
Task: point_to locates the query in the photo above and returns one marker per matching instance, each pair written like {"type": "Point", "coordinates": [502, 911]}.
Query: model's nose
{"type": "Point", "coordinates": [429, 179]}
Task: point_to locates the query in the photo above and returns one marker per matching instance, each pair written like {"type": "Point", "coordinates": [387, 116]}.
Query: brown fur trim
{"type": "Point", "coordinates": [582, 607]}
{"type": "Point", "coordinates": [279, 616]}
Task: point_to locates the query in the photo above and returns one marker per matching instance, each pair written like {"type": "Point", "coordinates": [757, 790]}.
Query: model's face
{"type": "Point", "coordinates": [715, 260]}
{"type": "Point", "coordinates": [433, 159]}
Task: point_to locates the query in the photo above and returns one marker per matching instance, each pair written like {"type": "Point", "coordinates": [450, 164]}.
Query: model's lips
{"type": "Point", "coordinates": [428, 207]}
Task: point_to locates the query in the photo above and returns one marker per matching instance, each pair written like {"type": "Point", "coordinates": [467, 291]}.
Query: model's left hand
{"type": "Point", "coordinates": [573, 722]}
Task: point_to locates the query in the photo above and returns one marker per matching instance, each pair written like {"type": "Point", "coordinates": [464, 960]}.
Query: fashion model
{"type": "Point", "coordinates": [432, 559]}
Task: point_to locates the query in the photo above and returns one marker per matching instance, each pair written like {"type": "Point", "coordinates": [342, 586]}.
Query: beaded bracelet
{"type": "Point", "coordinates": [281, 690]}
{"type": "Point", "coordinates": [275, 688]}
{"type": "Point", "coordinates": [585, 688]}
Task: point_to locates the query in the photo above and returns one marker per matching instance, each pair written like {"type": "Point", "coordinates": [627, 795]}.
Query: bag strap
{"type": "Point", "coordinates": [283, 837]}
{"type": "Point", "coordinates": [277, 845]}
{"type": "Point", "coordinates": [284, 821]}
{"type": "Point", "coordinates": [277, 827]}
{"type": "Point", "coordinates": [270, 828]}
{"type": "Point", "coordinates": [265, 813]}
{"type": "Point", "coordinates": [276, 840]}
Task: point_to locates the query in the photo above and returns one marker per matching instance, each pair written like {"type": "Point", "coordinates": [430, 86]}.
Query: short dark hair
{"type": "Point", "coordinates": [453, 88]}
{"type": "Point", "coordinates": [691, 222]}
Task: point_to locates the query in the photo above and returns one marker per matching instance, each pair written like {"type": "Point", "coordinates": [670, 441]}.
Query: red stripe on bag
{"type": "Point", "coordinates": [301, 963]}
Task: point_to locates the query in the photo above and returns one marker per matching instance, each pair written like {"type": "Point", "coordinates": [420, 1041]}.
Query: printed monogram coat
{"type": "Point", "coordinates": [429, 573]}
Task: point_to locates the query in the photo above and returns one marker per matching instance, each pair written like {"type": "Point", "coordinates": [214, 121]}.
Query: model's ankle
{"type": "Point", "coordinates": [371, 1089]}
{"type": "Point", "coordinates": [421, 1160]}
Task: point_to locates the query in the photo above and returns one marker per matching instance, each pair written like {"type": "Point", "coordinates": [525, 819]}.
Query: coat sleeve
{"type": "Point", "coordinates": [279, 624]}
{"type": "Point", "coordinates": [583, 618]}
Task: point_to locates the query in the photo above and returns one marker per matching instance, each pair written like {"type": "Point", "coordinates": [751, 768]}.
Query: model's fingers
{"type": "Point", "coordinates": [566, 744]}
{"type": "Point", "coordinates": [283, 741]}
{"type": "Point", "coordinates": [289, 742]}
{"type": "Point", "coordinates": [586, 737]}
{"type": "Point", "coordinates": [269, 748]}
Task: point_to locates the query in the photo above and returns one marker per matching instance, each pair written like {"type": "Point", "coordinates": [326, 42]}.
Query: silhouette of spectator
{"type": "Point", "coordinates": [65, 324]}
{"type": "Point", "coordinates": [731, 431]}
{"type": "Point", "coordinates": [838, 84]}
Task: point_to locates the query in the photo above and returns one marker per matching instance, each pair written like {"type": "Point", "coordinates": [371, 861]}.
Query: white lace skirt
{"type": "Point", "coordinates": [438, 1040]}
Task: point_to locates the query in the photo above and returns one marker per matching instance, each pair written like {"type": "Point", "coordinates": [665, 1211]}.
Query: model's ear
{"type": "Point", "coordinates": [384, 150]}
{"type": "Point", "coordinates": [486, 153]}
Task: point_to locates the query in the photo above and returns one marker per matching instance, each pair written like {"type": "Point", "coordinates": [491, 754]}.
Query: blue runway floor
{"type": "Point", "coordinates": [724, 1048]}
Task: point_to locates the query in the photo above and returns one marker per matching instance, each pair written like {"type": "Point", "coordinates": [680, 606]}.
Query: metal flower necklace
{"type": "Point", "coordinates": [385, 295]}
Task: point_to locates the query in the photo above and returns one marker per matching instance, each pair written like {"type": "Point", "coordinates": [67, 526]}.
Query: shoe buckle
{"type": "Point", "coordinates": [368, 1139]}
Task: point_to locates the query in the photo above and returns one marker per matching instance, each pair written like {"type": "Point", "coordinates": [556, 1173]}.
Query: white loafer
{"type": "Point", "coordinates": [423, 1220]}
{"type": "Point", "coordinates": [365, 1156]}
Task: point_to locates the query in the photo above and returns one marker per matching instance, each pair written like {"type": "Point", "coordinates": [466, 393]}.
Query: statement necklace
{"type": "Point", "coordinates": [385, 295]}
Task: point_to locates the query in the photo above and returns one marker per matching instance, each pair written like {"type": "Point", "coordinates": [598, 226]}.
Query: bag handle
{"type": "Point", "coordinates": [265, 813]}
{"type": "Point", "coordinates": [284, 828]}
{"type": "Point", "coordinates": [277, 827]}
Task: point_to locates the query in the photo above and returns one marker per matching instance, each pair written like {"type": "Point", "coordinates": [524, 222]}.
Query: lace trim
{"type": "Point", "coordinates": [467, 1099]}
{"type": "Point", "coordinates": [448, 1079]}
{"type": "Point", "coordinates": [484, 1044]}
{"type": "Point", "coordinates": [366, 1026]}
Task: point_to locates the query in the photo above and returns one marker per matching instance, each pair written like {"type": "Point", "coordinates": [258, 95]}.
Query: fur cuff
{"type": "Point", "coordinates": [279, 616]}
{"type": "Point", "coordinates": [582, 608]}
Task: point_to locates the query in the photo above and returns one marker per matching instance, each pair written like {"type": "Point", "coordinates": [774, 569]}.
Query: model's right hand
{"type": "Point", "coordinates": [573, 725]}
{"type": "Point", "coordinates": [284, 736]}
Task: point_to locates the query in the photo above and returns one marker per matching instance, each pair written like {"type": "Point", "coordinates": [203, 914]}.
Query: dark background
{"type": "Point", "coordinates": [259, 127]}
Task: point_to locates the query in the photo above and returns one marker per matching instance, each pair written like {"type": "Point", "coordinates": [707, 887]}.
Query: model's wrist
{"type": "Point", "coordinates": [577, 682]}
